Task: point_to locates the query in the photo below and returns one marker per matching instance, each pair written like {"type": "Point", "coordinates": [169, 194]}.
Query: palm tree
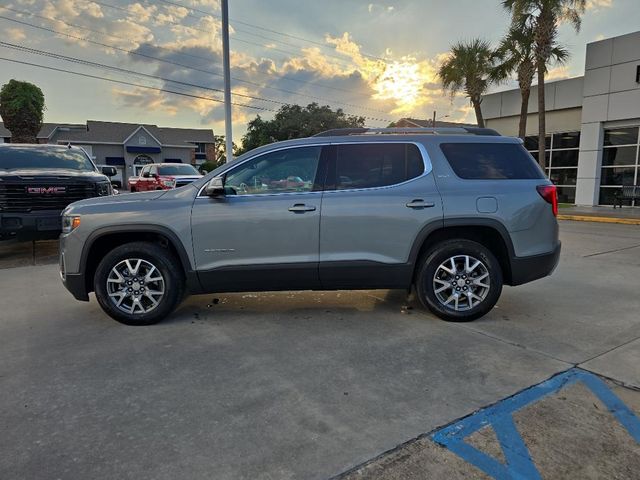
{"type": "Point", "coordinates": [544, 16]}
{"type": "Point", "coordinates": [468, 68]}
{"type": "Point", "coordinates": [516, 54]}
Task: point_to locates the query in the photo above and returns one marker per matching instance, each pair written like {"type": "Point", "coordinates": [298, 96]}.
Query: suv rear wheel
{"type": "Point", "coordinates": [459, 280]}
{"type": "Point", "coordinates": [139, 283]}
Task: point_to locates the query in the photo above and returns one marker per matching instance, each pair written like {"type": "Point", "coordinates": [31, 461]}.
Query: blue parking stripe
{"type": "Point", "coordinates": [518, 463]}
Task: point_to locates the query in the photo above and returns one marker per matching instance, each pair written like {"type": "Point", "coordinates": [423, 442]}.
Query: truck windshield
{"type": "Point", "coordinates": [29, 158]}
{"type": "Point", "coordinates": [177, 170]}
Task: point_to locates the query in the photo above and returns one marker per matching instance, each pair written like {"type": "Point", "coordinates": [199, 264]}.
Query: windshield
{"type": "Point", "coordinates": [177, 170]}
{"type": "Point", "coordinates": [28, 158]}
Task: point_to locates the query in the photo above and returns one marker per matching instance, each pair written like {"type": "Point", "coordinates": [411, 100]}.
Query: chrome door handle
{"type": "Point", "coordinates": [301, 208]}
{"type": "Point", "coordinates": [419, 203]}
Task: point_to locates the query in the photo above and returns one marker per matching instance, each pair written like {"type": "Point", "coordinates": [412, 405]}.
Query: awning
{"type": "Point", "coordinates": [131, 149]}
{"type": "Point", "coordinates": [172, 160]}
{"type": "Point", "coordinates": [114, 161]}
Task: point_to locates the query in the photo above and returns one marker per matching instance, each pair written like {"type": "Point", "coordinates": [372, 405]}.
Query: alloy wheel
{"type": "Point", "coordinates": [135, 286]}
{"type": "Point", "coordinates": [461, 282]}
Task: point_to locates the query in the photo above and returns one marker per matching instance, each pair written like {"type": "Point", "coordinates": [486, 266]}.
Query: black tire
{"type": "Point", "coordinates": [158, 257]}
{"type": "Point", "coordinates": [430, 266]}
{"type": "Point", "coordinates": [133, 190]}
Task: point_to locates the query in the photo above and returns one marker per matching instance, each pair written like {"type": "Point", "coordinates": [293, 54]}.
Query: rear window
{"type": "Point", "coordinates": [27, 158]}
{"type": "Point", "coordinates": [376, 165]}
{"type": "Point", "coordinates": [177, 170]}
{"type": "Point", "coordinates": [491, 161]}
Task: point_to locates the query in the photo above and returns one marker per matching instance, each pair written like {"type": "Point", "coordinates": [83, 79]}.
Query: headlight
{"type": "Point", "coordinates": [103, 189]}
{"type": "Point", "coordinates": [169, 183]}
{"type": "Point", "coordinates": [70, 223]}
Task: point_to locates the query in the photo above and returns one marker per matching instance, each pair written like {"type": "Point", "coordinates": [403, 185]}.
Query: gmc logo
{"type": "Point", "coordinates": [46, 190]}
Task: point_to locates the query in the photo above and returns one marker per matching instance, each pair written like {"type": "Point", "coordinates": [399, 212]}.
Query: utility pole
{"type": "Point", "coordinates": [227, 80]}
{"type": "Point", "coordinates": [433, 123]}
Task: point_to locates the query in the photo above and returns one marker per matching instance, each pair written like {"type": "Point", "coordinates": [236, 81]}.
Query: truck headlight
{"type": "Point", "coordinates": [70, 223]}
{"type": "Point", "coordinates": [103, 189]}
{"type": "Point", "coordinates": [169, 183]}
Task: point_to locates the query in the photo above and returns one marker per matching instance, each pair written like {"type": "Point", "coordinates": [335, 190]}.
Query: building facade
{"type": "Point", "coordinates": [130, 146]}
{"type": "Point", "coordinates": [593, 123]}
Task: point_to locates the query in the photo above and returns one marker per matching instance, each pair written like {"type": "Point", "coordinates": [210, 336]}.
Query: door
{"type": "Point", "coordinates": [263, 234]}
{"type": "Point", "coordinates": [378, 199]}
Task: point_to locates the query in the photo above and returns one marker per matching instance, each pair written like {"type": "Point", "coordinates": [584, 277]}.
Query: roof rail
{"type": "Point", "coordinates": [336, 132]}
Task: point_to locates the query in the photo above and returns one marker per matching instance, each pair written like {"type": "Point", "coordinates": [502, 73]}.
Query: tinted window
{"type": "Point", "coordinates": [621, 136]}
{"type": "Point", "coordinates": [566, 140]}
{"type": "Point", "coordinates": [18, 158]}
{"type": "Point", "coordinates": [177, 170]}
{"type": "Point", "coordinates": [491, 161]}
{"type": "Point", "coordinates": [376, 165]}
{"type": "Point", "coordinates": [290, 170]}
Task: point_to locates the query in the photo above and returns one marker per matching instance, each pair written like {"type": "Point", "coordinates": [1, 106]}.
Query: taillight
{"type": "Point", "coordinates": [550, 194]}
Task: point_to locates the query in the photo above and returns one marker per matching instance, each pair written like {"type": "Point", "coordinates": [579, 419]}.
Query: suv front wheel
{"type": "Point", "coordinates": [139, 283]}
{"type": "Point", "coordinates": [459, 280]}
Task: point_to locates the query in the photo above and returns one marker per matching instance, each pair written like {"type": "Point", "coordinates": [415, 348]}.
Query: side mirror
{"type": "Point", "coordinates": [215, 188]}
{"type": "Point", "coordinates": [109, 171]}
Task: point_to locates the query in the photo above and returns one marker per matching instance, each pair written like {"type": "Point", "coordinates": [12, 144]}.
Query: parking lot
{"type": "Point", "coordinates": [315, 384]}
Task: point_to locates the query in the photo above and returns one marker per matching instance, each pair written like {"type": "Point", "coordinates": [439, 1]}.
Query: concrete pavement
{"type": "Point", "coordinates": [290, 385]}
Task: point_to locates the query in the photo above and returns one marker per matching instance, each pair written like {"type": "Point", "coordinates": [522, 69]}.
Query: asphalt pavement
{"type": "Point", "coordinates": [301, 385]}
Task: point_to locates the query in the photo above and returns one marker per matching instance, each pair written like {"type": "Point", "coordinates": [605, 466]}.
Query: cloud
{"type": "Point", "coordinates": [558, 73]}
{"type": "Point", "coordinates": [596, 5]}
{"type": "Point", "coordinates": [15, 34]}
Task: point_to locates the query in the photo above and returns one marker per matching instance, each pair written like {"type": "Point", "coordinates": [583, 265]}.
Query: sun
{"type": "Point", "coordinates": [401, 82]}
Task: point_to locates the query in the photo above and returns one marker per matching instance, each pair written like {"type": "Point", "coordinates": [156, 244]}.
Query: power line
{"type": "Point", "coordinates": [80, 61]}
{"type": "Point", "coordinates": [106, 79]}
{"type": "Point", "coordinates": [288, 53]}
{"type": "Point", "coordinates": [284, 34]}
{"type": "Point", "coordinates": [247, 32]}
{"type": "Point", "coordinates": [132, 52]}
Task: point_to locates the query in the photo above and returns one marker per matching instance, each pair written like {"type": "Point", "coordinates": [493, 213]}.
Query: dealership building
{"type": "Point", "coordinates": [593, 123]}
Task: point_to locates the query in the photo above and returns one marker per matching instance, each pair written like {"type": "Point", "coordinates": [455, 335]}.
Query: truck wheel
{"type": "Point", "coordinates": [133, 190]}
{"type": "Point", "coordinates": [139, 283]}
{"type": "Point", "coordinates": [459, 280]}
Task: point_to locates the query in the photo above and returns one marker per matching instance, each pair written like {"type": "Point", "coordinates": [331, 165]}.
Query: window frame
{"type": "Point", "coordinates": [325, 157]}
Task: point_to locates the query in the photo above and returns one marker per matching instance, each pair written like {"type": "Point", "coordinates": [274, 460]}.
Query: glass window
{"type": "Point", "coordinates": [177, 170]}
{"type": "Point", "coordinates": [619, 156]}
{"type": "Point", "coordinates": [608, 195]}
{"type": "Point", "coordinates": [621, 136]}
{"type": "Point", "coordinates": [617, 176]}
{"type": "Point", "coordinates": [289, 170]}
{"type": "Point", "coordinates": [29, 158]}
{"type": "Point", "coordinates": [566, 194]}
{"type": "Point", "coordinates": [531, 142]}
{"type": "Point", "coordinates": [566, 140]}
{"type": "Point", "coordinates": [563, 176]}
{"type": "Point", "coordinates": [564, 158]}
{"type": "Point", "coordinates": [376, 165]}
{"type": "Point", "coordinates": [491, 161]}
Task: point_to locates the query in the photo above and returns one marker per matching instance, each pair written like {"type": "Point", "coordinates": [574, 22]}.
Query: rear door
{"type": "Point", "coordinates": [377, 200]}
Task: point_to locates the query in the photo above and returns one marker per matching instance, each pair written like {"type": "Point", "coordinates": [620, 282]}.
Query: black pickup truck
{"type": "Point", "coordinates": [38, 181]}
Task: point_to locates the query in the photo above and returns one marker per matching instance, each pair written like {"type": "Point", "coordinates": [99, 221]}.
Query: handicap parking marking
{"type": "Point", "coordinates": [518, 463]}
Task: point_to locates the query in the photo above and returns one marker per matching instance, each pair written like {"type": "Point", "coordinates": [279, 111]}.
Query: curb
{"type": "Point", "coordinates": [587, 218]}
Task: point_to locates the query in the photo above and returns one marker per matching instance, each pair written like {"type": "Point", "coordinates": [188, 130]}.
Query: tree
{"type": "Point", "coordinates": [221, 150]}
{"type": "Point", "coordinates": [544, 16]}
{"type": "Point", "coordinates": [22, 109]}
{"type": "Point", "coordinates": [468, 68]}
{"type": "Point", "coordinates": [516, 54]}
{"type": "Point", "coordinates": [295, 121]}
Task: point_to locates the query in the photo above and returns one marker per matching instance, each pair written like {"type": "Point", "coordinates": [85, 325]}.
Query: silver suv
{"type": "Point", "coordinates": [456, 213]}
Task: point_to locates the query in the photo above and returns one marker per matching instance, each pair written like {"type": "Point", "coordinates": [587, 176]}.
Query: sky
{"type": "Point", "coordinates": [376, 59]}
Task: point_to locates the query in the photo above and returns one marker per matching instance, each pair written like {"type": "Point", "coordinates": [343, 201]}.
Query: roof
{"type": "Point", "coordinates": [414, 122]}
{"type": "Point", "coordinates": [46, 130]}
{"type": "Point", "coordinates": [116, 132]}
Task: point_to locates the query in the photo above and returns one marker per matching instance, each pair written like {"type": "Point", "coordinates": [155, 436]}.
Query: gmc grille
{"type": "Point", "coordinates": [38, 195]}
